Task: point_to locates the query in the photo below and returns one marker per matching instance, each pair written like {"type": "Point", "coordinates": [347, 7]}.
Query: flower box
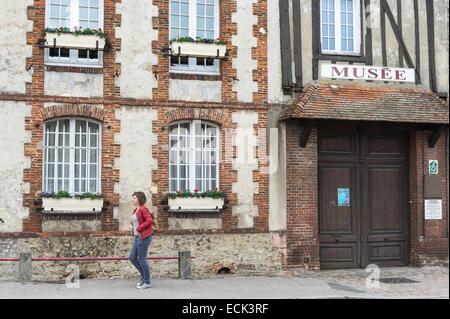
{"type": "Point", "coordinates": [70, 40]}
{"type": "Point", "coordinates": [196, 49]}
{"type": "Point", "coordinates": [195, 203]}
{"type": "Point", "coordinates": [72, 204]}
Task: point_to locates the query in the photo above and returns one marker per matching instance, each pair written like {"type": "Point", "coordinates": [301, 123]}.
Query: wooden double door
{"type": "Point", "coordinates": [363, 196]}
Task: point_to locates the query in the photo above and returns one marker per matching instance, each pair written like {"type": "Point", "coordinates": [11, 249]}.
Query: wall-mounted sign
{"type": "Point", "coordinates": [344, 197]}
{"type": "Point", "coordinates": [433, 208]}
{"type": "Point", "coordinates": [433, 167]}
{"type": "Point", "coordinates": [361, 72]}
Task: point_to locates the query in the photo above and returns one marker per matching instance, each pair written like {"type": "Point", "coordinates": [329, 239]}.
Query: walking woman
{"type": "Point", "coordinates": [141, 220]}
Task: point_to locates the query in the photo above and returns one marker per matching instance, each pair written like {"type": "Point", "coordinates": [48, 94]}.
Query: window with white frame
{"type": "Point", "coordinates": [340, 26]}
{"type": "Point", "coordinates": [72, 151]}
{"type": "Point", "coordinates": [74, 14]}
{"type": "Point", "coordinates": [194, 152]}
{"type": "Point", "coordinates": [195, 19]}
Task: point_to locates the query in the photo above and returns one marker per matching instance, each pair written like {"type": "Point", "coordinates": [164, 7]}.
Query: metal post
{"type": "Point", "coordinates": [25, 269]}
{"type": "Point", "coordinates": [184, 264]}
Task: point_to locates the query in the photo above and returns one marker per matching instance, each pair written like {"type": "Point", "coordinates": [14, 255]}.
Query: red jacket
{"type": "Point", "coordinates": [145, 219]}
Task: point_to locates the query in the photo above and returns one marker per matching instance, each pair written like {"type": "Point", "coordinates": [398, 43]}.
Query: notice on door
{"type": "Point", "coordinates": [344, 197]}
{"type": "Point", "coordinates": [433, 208]}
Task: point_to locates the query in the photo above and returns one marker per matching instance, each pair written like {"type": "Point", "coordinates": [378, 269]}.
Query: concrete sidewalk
{"type": "Point", "coordinates": [427, 282]}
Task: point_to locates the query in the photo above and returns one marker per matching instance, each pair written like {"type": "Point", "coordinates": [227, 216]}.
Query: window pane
{"type": "Point", "coordinates": [50, 185]}
{"type": "Point", "coordinates": [64, 53]}
{"type": "Point", "coordinates": [210, 23]}
{"type": "Point", "coordinates": [84, 24]}
{"type": "Point", "coordinates": [93, 140]}
{"type": "Point", "coordinates": [51, 140]}
{"type": "Point", "coordinates": [183, 171]}
{"type": "Point", "coordinates": [183, 157]}
{"type": "Point", "coordinates": [82, 54]}
{"type": "Point", "coordinates": [93, 156]}
{"type": "Point", "coordinates": [51, 155]}
{"type": "Point", "coordinates": [184, 9]}
{"type": "Point", "coordinates": [184, 21]}
{"type": "Point", "coordinates": [173, 171]}
{"type": "Point", "coordinates": [84, 15]}
{"type": "Point", "coordinates": [173, 185]}
{"type": "Point", "coordinates": [184, 129]}
{"type": "Point", "coordinates": [93, 14]}
{"type": "Point", "coordinates": [210, 11]}
{"type": "Point", "coordinates": [350, 45]}
{"type": "Point", "coordinates": [55, 11]}
{"type": "Point", "coordinates": [174, 129]}
{"type": "Point", "coordinates": [174, 7]}
{"type": "Point", "coordinates": [93, 186]}
{"type": "Point", "coordinates": [174, 21]}
{"type": "Point", "coordinates": [332, 44]}
{"type": "Point", "coordinates": [93, 171]}
{"type": "Point", "coordinates": [51, 170]}
{"type": "Point", "coordinates": [173, 157]}
{"type": "Point", "coordinates": [183, 185]}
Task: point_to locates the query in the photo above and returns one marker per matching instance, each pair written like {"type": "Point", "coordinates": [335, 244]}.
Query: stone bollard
{"type": "Point", "coordinates": [184, 264]}
{"type": "Point", "coordinates": [25, 269]}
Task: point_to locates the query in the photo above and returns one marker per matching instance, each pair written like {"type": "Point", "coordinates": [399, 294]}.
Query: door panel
{"type": "Point", "coordinates": [371, 163]}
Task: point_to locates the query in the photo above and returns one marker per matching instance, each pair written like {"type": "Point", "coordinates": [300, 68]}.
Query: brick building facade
{"type": "Point", "coordinates": [265, 99]}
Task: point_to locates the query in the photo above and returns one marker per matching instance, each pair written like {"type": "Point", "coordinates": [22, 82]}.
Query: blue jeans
{"type": "Point", "coordinates": [138, 256]}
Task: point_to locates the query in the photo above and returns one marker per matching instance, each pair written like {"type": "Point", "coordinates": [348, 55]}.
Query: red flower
{"type": "Point", "coordinates": [196, 190]}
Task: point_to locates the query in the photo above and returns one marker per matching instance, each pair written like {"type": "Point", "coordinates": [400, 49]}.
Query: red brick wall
{"type": "Point", "coordinates": [222, 117]}
{"type": "Point", "coordinates": [429, 238]}
{"type": "Point", "coordinates": [302, 210]}
{"type": "Point", "coordinates": [111, 101]}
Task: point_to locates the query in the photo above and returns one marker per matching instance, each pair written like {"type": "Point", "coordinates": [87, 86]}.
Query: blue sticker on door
{"type": "Point", "coordinates": [344, 197]}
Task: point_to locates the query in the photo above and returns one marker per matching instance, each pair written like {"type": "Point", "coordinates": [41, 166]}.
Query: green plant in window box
{"type": "Point", "coordinates": [88, 196]}
{"type": "Point", "coordinates": [77, 31]}
{"type": "Point", "coordinates": [64, 194]}
{"type": "Point", "coordinates": [219, 40]}
{"type": "Point", "coordinates": [196, 194]}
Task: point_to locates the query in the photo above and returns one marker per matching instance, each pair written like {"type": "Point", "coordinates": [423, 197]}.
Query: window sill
{"type": "Point", "coordinates": [71, 205]}
{"type": "Point", "coordinates": [195, 213]}
{"type": "Point", "coordinates": [89, 69]}
{"type": "Point", "coordinates": [72, 41]}
{"type": "Point", "coordinates": [198, 50]}
{"type": "Point", "coordinates": [341, 57]}
{"type": "Point", "coordinates": [194, 76]}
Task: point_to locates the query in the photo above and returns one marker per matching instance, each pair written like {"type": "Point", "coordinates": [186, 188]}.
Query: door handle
{"type": "Point", "coordinates": [386, 238]}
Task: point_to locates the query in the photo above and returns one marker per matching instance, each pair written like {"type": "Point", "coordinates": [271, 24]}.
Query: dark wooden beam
{"type": "Point", "coordinates": [306, 132]}
{"type": "Point", "coordinates": [286, 58]}
{"type": "Point", "coordinates": [432, 140]}
{"type": "Point", "coordinates": [297, 43]}
{"type": "Point", "coordinates": [368, 41]}
{"type": "Point", "coordinates": [400, 28]}
{"type": "Point", "coordinates": [417, 38]}
{"type": "Point", "coordinates": [316, 41]}
{"type": "Point", "coordinates": [398, 36]}
{"type": "Point", "coordinates": [383, 35]}
{"type": "Point", "coordinates": [431, 49]}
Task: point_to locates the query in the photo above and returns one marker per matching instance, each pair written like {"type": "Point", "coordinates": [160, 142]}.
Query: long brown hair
{"type": "Point", "coordinates": [141, 197]}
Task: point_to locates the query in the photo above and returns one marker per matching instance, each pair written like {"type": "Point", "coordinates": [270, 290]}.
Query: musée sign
{"type": "Point", "coordinates": [362, 72]}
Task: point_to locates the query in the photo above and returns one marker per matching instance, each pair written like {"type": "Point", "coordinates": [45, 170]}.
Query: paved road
{"type": "Point", "coordinates": [428, 282]}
